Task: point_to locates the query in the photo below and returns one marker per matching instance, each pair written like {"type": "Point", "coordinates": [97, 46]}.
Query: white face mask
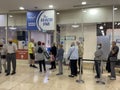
{"type": "Point", "coordinates": [98, 46]}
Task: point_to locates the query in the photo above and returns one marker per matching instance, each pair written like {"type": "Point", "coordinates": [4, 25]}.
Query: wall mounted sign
{"type": "Point", "coordinates": [70, 37]}
{"type": "Point", "coordinates": [41, 20]}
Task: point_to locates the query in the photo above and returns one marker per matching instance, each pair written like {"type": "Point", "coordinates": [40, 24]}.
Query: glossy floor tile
{"type": "Point", "coordinates": [28, 78]}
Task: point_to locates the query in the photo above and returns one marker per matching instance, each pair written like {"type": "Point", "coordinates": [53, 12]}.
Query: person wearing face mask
{"type": "Point", "coordinates": [11, 49]}
{"type": "Point", "coordinates": [98, 57]}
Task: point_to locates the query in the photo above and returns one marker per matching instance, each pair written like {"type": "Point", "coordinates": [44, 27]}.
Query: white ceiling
{"type": "Point", "coordinates": [11, 5]}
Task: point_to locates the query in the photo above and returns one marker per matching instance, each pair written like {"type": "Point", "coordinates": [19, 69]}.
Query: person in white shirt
{"type": "Point", "coordinates": [11, 57]}
{"type": "Point", "coordinates": [73, 57]}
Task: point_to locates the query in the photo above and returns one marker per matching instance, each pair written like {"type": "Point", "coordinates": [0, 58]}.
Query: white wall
{"type": "Point", "coordinates": [3, 20]}
{"type": "Point", "coordinates": [92, 15]}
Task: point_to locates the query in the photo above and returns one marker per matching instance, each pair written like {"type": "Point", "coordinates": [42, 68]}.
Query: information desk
{"type": "Point", "coordinates": [22, 54]}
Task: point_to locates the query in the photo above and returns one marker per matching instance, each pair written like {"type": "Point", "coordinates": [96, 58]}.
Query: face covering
{"type": "Point", "coordinates": [10, 42]}
{"type": "Point", "coordinates": [98, 46]}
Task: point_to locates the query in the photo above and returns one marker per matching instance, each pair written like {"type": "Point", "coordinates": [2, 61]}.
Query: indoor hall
{"type": "Point", "coordinates": [28, 78]}
{"type": "Point", "coordinates": [89, 22]}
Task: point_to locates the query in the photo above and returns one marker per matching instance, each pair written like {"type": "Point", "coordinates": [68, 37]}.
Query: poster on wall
{"type": "Point", "coordinates": [41, 20]}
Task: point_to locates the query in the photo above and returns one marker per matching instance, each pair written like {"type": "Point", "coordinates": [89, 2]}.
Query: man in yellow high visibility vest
{"type": "Point", "coordinates": [31, 52]}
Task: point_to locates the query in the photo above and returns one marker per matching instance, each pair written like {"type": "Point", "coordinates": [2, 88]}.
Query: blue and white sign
{"type": "Point", "coordinates": [41, 20]}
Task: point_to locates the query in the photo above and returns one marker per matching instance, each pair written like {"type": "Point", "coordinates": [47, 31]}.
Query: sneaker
{"type": "Point", "coordinates": [34, 66]}
{"type": "Point", "coordinates": [97, 77]}
{"type": "Point", "coordinates": [71, 75]}
{"type": "Point", "coordinates": [13, 73]}
{"type": "Point", "coordinates": [7, 74]}
{"type": "Point", "coordinates": [31, 65]}
{"type": "Point", "coordinates": [112, 78]}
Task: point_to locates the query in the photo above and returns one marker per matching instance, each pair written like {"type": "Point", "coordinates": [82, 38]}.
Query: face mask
{"type": "Point", "coordinates": [98, 46]}
{"type": "Point", "coordinates": [10, 42]}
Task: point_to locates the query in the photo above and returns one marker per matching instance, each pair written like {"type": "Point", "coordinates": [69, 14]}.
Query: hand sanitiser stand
{"type": "Point", "coordinates": [101, 80]}
{"type": "Point", "coordinates": [80, 74]}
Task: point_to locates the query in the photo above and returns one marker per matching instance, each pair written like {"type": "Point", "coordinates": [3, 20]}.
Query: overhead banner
{"type": "Point", "coordinates": [41, 20]}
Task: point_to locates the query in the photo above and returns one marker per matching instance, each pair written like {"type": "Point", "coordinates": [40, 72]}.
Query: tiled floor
{"type": "Point", "coordinates": [28, 78]}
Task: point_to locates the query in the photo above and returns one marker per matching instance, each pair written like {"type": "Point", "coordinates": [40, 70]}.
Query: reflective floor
{"type": "Point", "coordinates": [28, 78]}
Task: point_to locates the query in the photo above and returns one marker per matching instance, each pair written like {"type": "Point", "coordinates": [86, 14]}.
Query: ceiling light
{"type": "Point", "coordinates": [75, 26]}
{"type": "Point", "coordinates": [101, 27]}
{"type": "Point", "coordinates": [84, 11]}
{"type": "Point", "coordinates": [115, 9]}
{"type": "Point", "coordinates": [21, 8]}
{"type": "Point", "coordinates": [84, 3]}
{"type": "Point", "coordinates": [11, 16]}
{"type": "Point", "coordinates": [118, 23]}
{"type": "Point", "coordinates": [12, 28]}
{"type": "Point", "coordinates": [58, 13]}
{"type": "Point", "coordinates": [50, 6]}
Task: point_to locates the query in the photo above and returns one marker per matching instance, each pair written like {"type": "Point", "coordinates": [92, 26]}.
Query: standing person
{"type": "Point", "coordinates": [53, 51]}
{"type": "Point", "coordinates": [11, 49]}
{"type": "Point", "coordinates": [59, 57]}
{"type": "Point", "coordinates": [112, 59]}
{"type": "Point", "coordinates": [39, 50]}
{"type": "Point", "coordinates": [80, 53]}
{"type": "Point", "coordinates": [3, 57]}
{"type": "Point", "coordinates": [73, 57]}
{"type": "Point", "coordinates": [31, 52]}
{"type": "Point", "coordinates": [98, 57]}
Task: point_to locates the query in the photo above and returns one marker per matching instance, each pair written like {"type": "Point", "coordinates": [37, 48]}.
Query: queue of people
{"type": "Point", "coordinates": [56, 54]}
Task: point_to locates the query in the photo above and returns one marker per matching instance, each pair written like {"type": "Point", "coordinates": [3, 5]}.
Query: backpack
{"type": "Point", "coordinates": [40, 50]}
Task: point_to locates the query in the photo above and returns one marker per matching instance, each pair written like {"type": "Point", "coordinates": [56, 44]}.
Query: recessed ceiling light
{"type": "Point", "coordinates": [11, 16]}
{"type": "Point", "coordinates": [50, 6]}
{"type": "Point", "coordinates": [84, 3]}
{"type": "Point", "coordinates": [84, 11]}
{"type": "Point", "coordinates": [21, 8]}
{"type": "Point", "coordinates": [75, 25]}
{"type": "Point", "coordinates": [58, 13]}
{"type": "Point", "coordinates": [115, 8]}
{"type": "Point", "coordinates": [101, 27]}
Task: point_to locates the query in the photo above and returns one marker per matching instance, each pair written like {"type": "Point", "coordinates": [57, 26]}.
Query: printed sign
{"type": "Point", "coordinates": [41, 20]}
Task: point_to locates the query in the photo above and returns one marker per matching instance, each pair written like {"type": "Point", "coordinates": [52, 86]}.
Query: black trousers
{"type": "Point", "coordinates": [40, 65]}
{"type": "Point", "coordinates": [53, 65]}
{"type": "Point", "coordinates": [79, 61]}
{"type": "Point", "coordinates": [11, 58]}
{"type": "Point", "coordinates": [97, 68]}
{"type": "Point", "coordinates": [73, 66]}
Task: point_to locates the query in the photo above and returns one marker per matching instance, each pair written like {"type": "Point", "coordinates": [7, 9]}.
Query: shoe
{"type": "Point", "coordinates": [0, 72]}
{"type": "Point", "coordinates": [31, 65]}
{"type": "Point", "coordinates": [34, 66]}
{"type": "Point", "coordinates": [7, 74]}
{"type": "Point", "coordinates": [13, 73]}
{"type": "Point", "coordinates": [71, 75]}
{"type": "Point", "coordinates": [112, 78]}
{"type": "Point", "coordinates": [97, 77]}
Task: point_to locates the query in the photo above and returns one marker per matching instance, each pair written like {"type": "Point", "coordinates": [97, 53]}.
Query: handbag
{"type": "Point", "coordinates": [47, 55]}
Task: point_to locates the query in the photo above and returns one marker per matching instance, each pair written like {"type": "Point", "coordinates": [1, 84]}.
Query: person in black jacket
{"type": "Point", "coordinates": [112, 58]}
{"type": "Point", "coordinates": [53, 51]}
